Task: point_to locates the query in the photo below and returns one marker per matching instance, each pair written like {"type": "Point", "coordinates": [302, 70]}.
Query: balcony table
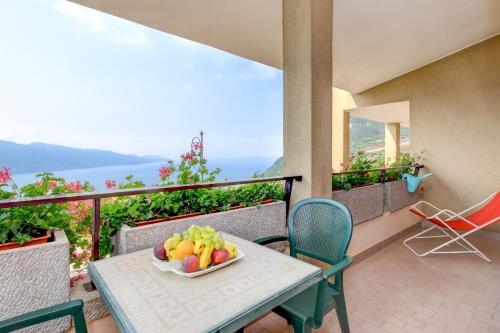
{"type": "Point", "coordinates": [141, 298]}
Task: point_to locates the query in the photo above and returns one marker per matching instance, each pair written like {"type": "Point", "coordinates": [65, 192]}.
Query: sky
{"type": "Point", "coordinates": [77, 77]}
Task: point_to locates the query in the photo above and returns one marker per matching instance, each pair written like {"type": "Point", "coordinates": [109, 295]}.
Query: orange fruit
{"type": "Point", "coordinates": [184, 249]}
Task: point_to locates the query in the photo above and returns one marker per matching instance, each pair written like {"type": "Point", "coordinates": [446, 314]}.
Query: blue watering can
{"type": "Point", "coordinates": [412, 182]}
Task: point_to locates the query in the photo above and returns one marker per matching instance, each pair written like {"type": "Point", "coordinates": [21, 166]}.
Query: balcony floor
{"type": "Point", "coordinates": [394, 291]}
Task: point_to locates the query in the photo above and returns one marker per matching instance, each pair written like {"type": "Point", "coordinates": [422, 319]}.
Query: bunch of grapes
{"type": "Point", "coordinates": [206, 234]}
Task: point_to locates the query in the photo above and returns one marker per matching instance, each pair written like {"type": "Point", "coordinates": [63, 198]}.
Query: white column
{"type": "Point", "coordinates": [342, 101]}
{"type": "Point", "coordinates": [392, 138]}
{"type": "Point", "coordinates": [307, 67]}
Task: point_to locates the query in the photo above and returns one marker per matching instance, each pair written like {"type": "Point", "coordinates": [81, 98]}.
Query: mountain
{"type": "Point", "coordinates": [41, 157]}
{"type": "Point", "coordinates": [276, 169]}
{"type": "Point", "coordinates": [364, 133]}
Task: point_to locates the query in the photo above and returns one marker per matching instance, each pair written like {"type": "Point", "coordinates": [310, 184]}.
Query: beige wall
{"type": "Point", "coordinates": [373, 232]}
{"type": "Point", "coordinates": [455, 117]}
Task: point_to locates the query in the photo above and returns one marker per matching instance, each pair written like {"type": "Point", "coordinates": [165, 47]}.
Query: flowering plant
{"type": "Point", "coordinates": [357, 162]}
{"type": "Point", "coordinates": [21, 224]}
{"type": "Point", "coordinates": [361, 161]}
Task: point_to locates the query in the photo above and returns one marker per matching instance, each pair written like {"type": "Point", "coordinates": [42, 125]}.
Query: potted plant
{"type": "Point", "coordinates": [360, 192]}
{"type": "Point", "coordinates": [396, 195]}
{"type": "Point", "coordinates": [34, 255]}
{"type": "Point", "coordinates": [127, 213]}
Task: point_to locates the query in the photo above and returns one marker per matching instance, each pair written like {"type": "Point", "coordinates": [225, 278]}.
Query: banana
{"type": "Point", "coordinates": [169, 244]}
{"type": "Point", "coordinates": [231, 248]}
{"type": "Point", "coordinates": [171, 255]}
{"type": "Point", "coordinates": [206, 256]}
{"type": "Point", "coordinates": [199, 246]}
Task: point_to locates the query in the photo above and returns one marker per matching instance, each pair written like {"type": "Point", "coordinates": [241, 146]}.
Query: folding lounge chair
{"type": "Point", "coordinates": [457, 226]}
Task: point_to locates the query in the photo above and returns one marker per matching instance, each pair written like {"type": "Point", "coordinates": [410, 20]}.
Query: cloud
{"type": "Point", "coordinates": [104, 26]}
{"type": "Point", "coordinates": [188, 86]}
{"type": "Point", "coordinates": [254, 71]}
{"type": "Point", "coordinates": [263, 71]}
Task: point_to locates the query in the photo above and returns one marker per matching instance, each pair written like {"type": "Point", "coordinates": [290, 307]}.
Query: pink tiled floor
{"type": "Point", "coordinates": [394, 291]}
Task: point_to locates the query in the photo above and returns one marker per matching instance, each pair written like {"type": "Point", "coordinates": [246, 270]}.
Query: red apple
{"type": "Point", "coordinates": [220, 256]}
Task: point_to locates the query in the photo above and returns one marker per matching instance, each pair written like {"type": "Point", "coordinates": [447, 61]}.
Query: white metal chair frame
{"type": "Point", "coordinates": [443, 216]}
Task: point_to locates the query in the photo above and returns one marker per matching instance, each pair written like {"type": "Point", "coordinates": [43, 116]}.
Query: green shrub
{"type": "Point", "coordinates": [361, 161]}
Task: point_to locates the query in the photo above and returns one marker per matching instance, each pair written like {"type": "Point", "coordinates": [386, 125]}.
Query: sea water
{"type": "Point", "coordinates": [231, 169]}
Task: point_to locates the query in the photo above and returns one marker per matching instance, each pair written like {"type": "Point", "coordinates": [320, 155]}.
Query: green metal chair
{"type": "Point", "coordinates": [320, 229]}
{"type": "Point", "coordinates": [73, 308]}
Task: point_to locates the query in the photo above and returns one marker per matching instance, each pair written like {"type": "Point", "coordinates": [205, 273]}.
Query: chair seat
{"type": "Point", "coordinates": [303, 305]}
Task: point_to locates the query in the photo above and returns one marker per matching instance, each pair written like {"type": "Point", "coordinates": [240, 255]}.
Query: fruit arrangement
{"type": "Point", "coordinates": [197, 248]}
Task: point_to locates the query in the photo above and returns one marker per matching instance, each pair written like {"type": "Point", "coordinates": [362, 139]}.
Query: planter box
{"type": "Point", "coordinates": [34, 277]}
{"type": "Point", "coordinates": [365, 202]}
{"type": "Point", "coordinates": [249, 223]}
{"type": "Point", "coordinates": [33, 241]}
{"type": "Point", "coordinates": [397, 197]}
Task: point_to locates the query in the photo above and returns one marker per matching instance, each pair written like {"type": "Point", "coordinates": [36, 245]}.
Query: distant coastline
{"type": "Point", "coordinates": [40, 157]}
{"type": "Point", "coordinates": [231, 169]}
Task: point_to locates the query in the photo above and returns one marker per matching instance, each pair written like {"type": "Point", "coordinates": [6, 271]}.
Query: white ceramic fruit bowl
{"type": "Point", "coordinates": [175, 266]}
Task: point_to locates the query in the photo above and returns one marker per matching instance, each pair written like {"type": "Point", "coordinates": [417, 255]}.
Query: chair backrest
{"type": "Point", "coordinates": [320, 229]}
{"type": "Point", "coordinates": [489, 213]}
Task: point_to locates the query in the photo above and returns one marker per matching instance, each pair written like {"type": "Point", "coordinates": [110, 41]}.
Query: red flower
{"type": "Point", "coordinates": [5, 175]}
{"type": "Point", "coordinates": [110, 184]}
{"type": "Point", "coordinates": [165, 172]}
{"type": "Point", "coordinates": [74, 187]}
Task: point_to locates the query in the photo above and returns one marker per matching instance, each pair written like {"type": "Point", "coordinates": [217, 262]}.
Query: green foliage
{"type": "Point", "coordinates": [361, 161]}
{"type": "Point", "coordinates": [22, 224]}
{"type": "Point", "coordinates": [405, 160]}
{"type": "Point", "coordinates": [130, 182]}
{"type": "Point", "coordinates": [129, 210]}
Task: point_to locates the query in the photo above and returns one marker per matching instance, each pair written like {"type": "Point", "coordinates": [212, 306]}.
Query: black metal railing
{"type": "Point", "coordinates": [97, 196]}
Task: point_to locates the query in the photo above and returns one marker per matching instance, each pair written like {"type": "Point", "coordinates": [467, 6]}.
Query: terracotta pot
{"type": "Point", "coordinates": [34, 241]}
{"type": "Point", "coordinates": [236, 207]}
{"type": "Point", "coordinates": [183, 216]}
{"type": "Point", "coordinates": [143, 223]}
{"type": "Point", "coordinates": [170, 218]}
{"type": "Point", "coordinates": [178, 217]}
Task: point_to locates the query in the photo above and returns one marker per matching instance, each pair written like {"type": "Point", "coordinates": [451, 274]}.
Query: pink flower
{"type": "Point", "coordinates": [79, 209]}
{"type": "Point", "coordinates": [110, 184]}
{"type": "Point", "coordinates": [165, 172]}
{"type": "Point", "coordinates": [74, 187]}
{"type": "Point", "coordinates": [148, 200]}
{"type": "Point", "coordinates": [188, 156]}
{"type": "Point", "coordinates": [197, 146]}
{"type": "Point", "coordinates": [52, 184]}
{"type": "Point", "coordinates": [346, 165]}
{"type": "Point", "coordinates": [5, 175]}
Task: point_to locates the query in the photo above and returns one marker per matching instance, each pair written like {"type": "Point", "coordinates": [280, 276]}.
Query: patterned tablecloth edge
{"type": "Point", "coordinates": [121, 320]}
{"type": "Point", "coordinates": [253, 312]}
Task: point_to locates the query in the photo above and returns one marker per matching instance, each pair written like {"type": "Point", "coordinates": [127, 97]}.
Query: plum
{"type": "Point", "coordinates": [160, 251]}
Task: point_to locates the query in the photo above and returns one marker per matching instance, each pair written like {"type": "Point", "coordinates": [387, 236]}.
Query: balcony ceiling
{"type": "Point", "coordinates": [374, 41]}
{"type": "Point", "coordinates": [398, 112]}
